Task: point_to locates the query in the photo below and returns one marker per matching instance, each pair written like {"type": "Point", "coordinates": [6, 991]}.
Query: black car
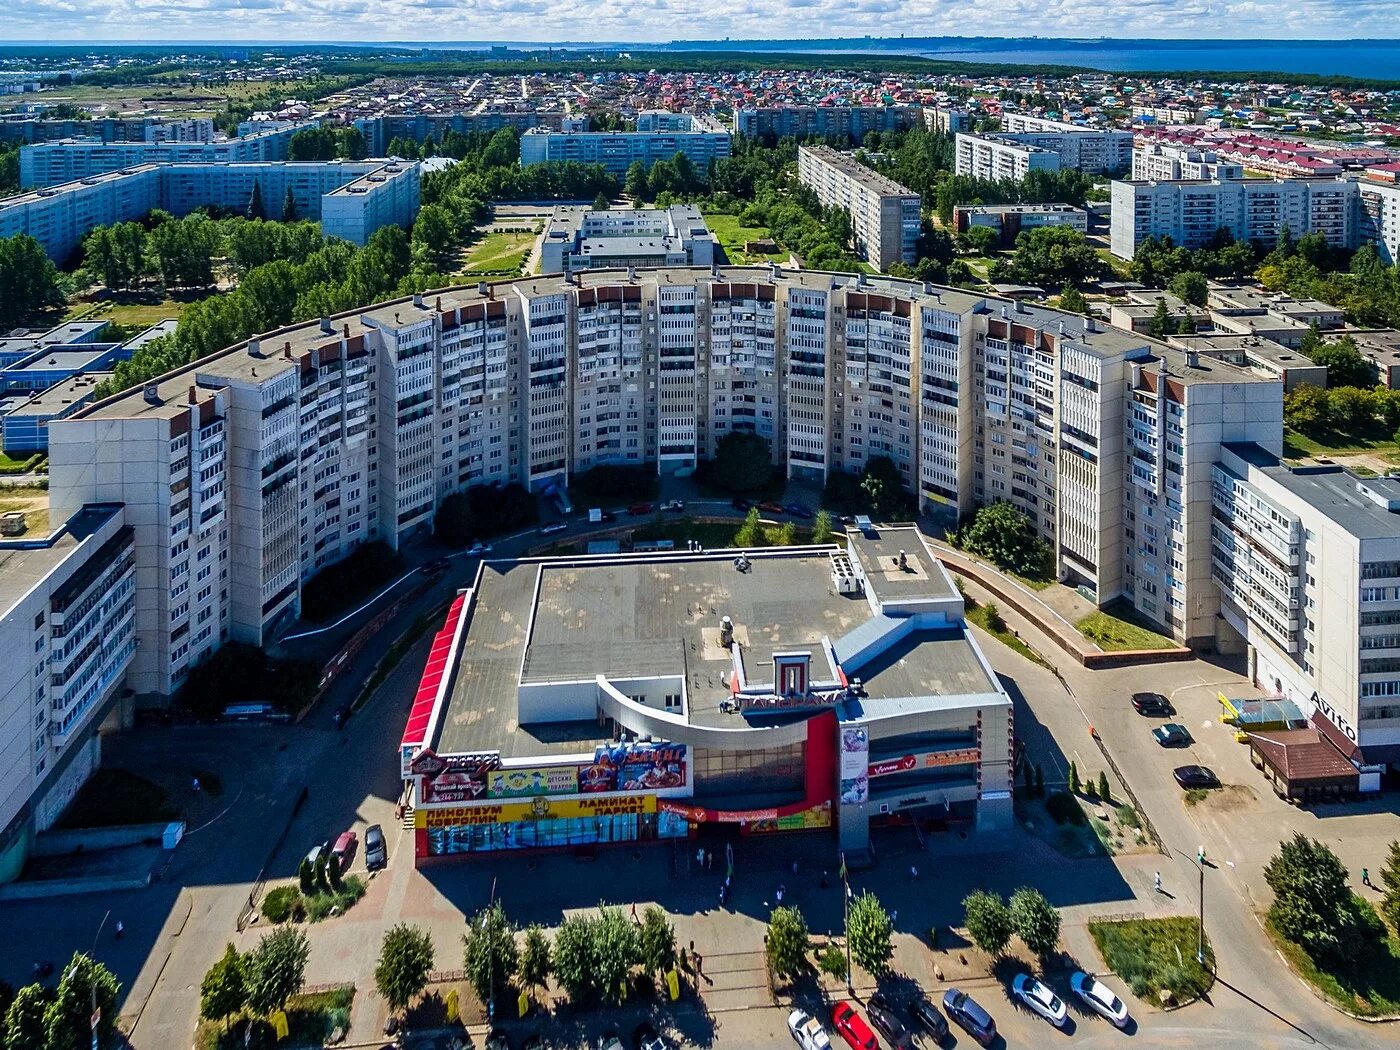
{"type": "Point", "coordinates": [1153, 704]}
{"type": "Point", "coordinates": [375, 855]}
{"type": "Point", "coordinates": [970, 1016]}
{"type": "Point", "coordinates": [797, 510]}
{"type": "Point", "coordinates": [926, 1015]}
{"type": "Point", "coordinates": [1195, 777]}
{"type": "Point", "coordinates": [740, 504]}
{"type": "Point", "coordinates": [887, 1022]}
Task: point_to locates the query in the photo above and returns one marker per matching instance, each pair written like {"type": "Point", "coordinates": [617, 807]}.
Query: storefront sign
{"type": "Point", "coordinates": [778, 818]}
{"type": "Point", "coordinates": [528, 783]}
{"type": "Point", "coordinates": [928, 760]}
{"type": "Point", "coordinates": [535, 809]}
{"type": "Point", "coordinates": [453, 778]}
{"type": "Point", "coordinates": [634, 767]}
{"type": "Point", "coordinates": [1332, 715]}
{"type": "Point", "coordinates": [854, 765]}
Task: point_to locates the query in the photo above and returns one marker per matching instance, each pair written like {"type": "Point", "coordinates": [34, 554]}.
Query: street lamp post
{"type": "Point", "coordinates": [1200, 861]}
{"type": "Point", "coordinates": [846, 921]}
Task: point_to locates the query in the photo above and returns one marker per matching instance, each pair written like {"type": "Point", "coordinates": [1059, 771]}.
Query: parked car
{"type": "Point", "coordinates": [1038, 996]}
{"type": "Point", "coordinates": [1154, 704]}
{"type": "Point", "coordinates": [926, 1015]}
{"type": "Point", "coordinates": [1195, 777]}
{"type": "Point", "coordinates": [479, 548]}
{"type": "Point", "coordinates": [343, 852]}
{"type": "Point", "coordinates": [436, 567]}
{"type": "Point", "coordinates": [638, 509]}
{"type": "Point", "coordinates": [610, 1041]}
{"type": "Point", "coordinates": [1172, 734]}
{"type": "Point", "coordinates": [314, 854]}
{"type": "Point", "coordinates": [553, 527]}
{"type": "Point", "coordinates": [376, 856]}
{"type": "Point", "coordinates": [797, 510]}
{"type": "Point", "coordinates": [740, 504]}
{"type": "Point", "coordinates": [808, 1031]}
{"type": "Point", "coordinates": [853, 1028]}
{"type": "Point", "coordinates": [646, 1037]}
{"type": "Point", "coordinates": [967, 1012]}
{"type": "Point", "coordinates": [673, 506]}
{"type": "Point", "coordinates": [887, 1022]}
{"type": "Point", "coordinates": [769, 506]}
{"type": "Point", "coordinates": [1099, 997]}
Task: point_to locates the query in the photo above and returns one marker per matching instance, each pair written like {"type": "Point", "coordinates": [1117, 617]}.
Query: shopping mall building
{"type": "Point", "coordinates": [569, 702]}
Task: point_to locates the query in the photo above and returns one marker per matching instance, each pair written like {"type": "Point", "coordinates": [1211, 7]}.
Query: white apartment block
{"type": "Point", "coordinates": [947, 120]}
{"type": "Point", "coordinates": [997, 158]}
{"type": "Point", "coordinates": [68, 160]}
{"type": "Point", "coordinates": [245, 473]}
{"type": "Point", "coordinates": [701, 139]}
{"type": "Point", "coordinates": [1378, 217]}
{"type": "Point", "coordinates": [351, 198]}
{"type": "Point", "coordinates": [1307, 561]}
{"type": "Point", "coordinates": [885, 217]}
{"type": "Point", "coordinates": [834, 123]}
{"type": "Point", "coordinates": [1093, 150]}
{"type": "Point", "coordinates": [1191, 212]}
{"type": "Point", "coordinates": [1167, 162]}
{"type": "Point", "coordinates": [67, 615]}
{"type": "Point", "coordinates": [579, 238]}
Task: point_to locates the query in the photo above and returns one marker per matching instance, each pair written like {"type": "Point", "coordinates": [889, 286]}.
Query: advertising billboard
{"type": "Point", "coordinates": [854, 765]}
{"type": "Point", "coordinates": [527, 783]}
{"type": "Point", "coordinates": [926, 760]}
{"type": "Point", "coordinates": [634, 767]}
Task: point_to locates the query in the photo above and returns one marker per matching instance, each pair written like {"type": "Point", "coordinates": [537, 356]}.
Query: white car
{"type": "Point", "coordinates": [1099, 997]}
{"type": "Point", "coordinates": [808, 1031]}
{"type": "Point", "coordinates": [1040, 999]}
{"type": "Point", "coordinates": [479, 548]}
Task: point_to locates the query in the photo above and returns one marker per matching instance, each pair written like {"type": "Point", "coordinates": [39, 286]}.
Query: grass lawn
{"type": "Point", "coordinates": [1117, 629]}
{"type": "Point", "coordinates": [501, 251]}
{"type": "Point", "coordinates": [711, 534]}
{"type": "Point", "coordinates": [310, 1019]}
{"type": "Point", "coordinates": [1145, 953]}
{"type": "Point", "coordinates": [980, 615]}
{"type": "Point", "coordinates": [113, 797]}
{"type": "Point", "coordinates": [1370, 984]}
{"type": "Point", "coordinates": [1300, 446]}
{"type": "Point", "coordinates": [13, 466]}
{"type": "Point", "coordinates": [133, 310]}
{"type": "Point", "coordinates": [732, 236]}
{"type": "Point", "coordinates": [1120, 267]}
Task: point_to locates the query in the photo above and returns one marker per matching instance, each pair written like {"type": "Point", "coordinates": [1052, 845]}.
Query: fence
{"type": "Point", "coordinates": [1146, 820]}
{"type": "Point", "coordinates": [250, 907]}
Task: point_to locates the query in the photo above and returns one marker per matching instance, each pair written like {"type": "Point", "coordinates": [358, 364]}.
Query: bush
{"type": "Point", "coordinates": [1145, 953]}
{"type": "Point", "coordinates": [337, 588]}
{"type": "Point", "coordinates": [283, 904]}
{"type": "Point", "coordinates": [237, 673]}
{"type": "Point", "coordinates": [615, 482]}
{"type": "Point", "coordinates": [1064, 808]}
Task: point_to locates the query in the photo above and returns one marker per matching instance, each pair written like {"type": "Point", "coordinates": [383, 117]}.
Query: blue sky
{"type": "Point", "coordinates": [545, 20]}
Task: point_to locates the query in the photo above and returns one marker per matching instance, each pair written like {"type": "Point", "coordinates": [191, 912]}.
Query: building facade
{"type": "Point", "coordinates": [947, 120]}
{"type": "Point", "coordinates": [885, 216]}
{"type": "Point", "coordinates": [1098, 151]}
{"type": "Point", "coordinates": [108, 129]}
{"type": "Point", "coordinates": [1191, 213]}
{"type": "Point", "coordinates": [579, 238]}
{"type": "Point", "coordinates": [838, 123]}
{"type": "Point", "coordinates": [1168, 162]}
{"type": "Point", "coordinates": [702, 140]}
{"type": "Point", "coordinates": [999, 158]}
{"type": "Point", "coordinates": [1010, 219]}
{"type": "Point", "coordinates": [384, 128]}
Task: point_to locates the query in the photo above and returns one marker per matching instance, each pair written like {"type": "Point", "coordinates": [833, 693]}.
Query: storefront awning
{"type": "Point", "coordinates": [430, 684]}
{"type": "Point", "coordinates": [1303, 757]}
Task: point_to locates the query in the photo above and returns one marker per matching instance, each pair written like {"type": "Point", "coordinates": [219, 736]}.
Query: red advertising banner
{"type": "Point", "coordinates": [928, 760]}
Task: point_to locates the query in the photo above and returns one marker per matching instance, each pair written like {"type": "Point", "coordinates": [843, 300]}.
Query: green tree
{"type": "Point", "coordinates": [432, 232]}
{"type": "Point", "coordinates": [1053, 256]}
{"type": "Point", "coordinates": [1313, 903]}
{"type": "Point", "coordinates": [289, 206]}
{"type": "Point", "coordinates": [1161, 320]}
{"type": "Point", "coordinates": [1036, 920]}
{"type": "Point", "coordinates": [832, 962]}
{"type": "Point", "coordinates": [750, 533]}
{"type": "Point", "coordinates": [405, 960]}
{"type": "Point", "coordinates": [1104, 792]}
{"type": "Point", "coordinates": [1308, 410]}
{"type": "Point", "coordinates": [743, 462]}
{"type": "Point", "coordinates": [491, 954]}
{"type": "Point", "coordinates": [822, 531]}
{"type": "Point", "coordinates": [883, 489]}
{"type": "Point", "coordinates": [1073, 777]}
{"type": "Point", "coordinates": [636, 185]}
{"type": "Point", "coordinates": [1190, 286]}
{"type": "Point", "coordinates": [68, 1018]}
{"type": "Point", "coordinates": [617, 948]}
{"type": "Point", "coordinates": [601, 202]}
{"type": "Point", "coordinates": [658, 941]}
{"type": "Point", "coordinates": [255, 209]}
{"type": "Point", "coordinates": [573, 958]}
{"type": "Point", "coordinates": [24, 1020]}
{"type": "Point", "coordinates": [988, 921]}
{"type": "Point", "coordinates": [535, 963]}
{"type": "Point", "coordinates": [276, 969]}
{"type": "Point", "coordinates": [787, 942]}
{"type": "Point", "coordinates": [1390, 879]}
{"type": "Point", "coordinates": [29, 281]}
{"type": "Point", "coordinates": [871, 933]}
{"type": "Point", "coordinates": [1072, 299]}
{"type": "Point", "coordinates": [980, 239]}
{"type": "Point", "coordinates": [786, 535]}
{"type": "Point", "coordinates": [1344, 363]}
{"type": "Point", "coordinates": [224, 990]}
{"type": "Point", "coordinates": [454, 524]}
{"type": "Point", "coordinates": [1004, 535]}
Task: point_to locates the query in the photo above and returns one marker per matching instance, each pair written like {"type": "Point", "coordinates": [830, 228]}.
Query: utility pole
{"type": "Point", "coordinates": [1200, 861]}
{"type": "Point", "coordinates": [846, 920]}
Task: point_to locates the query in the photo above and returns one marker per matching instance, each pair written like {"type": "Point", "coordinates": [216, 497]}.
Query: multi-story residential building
{"type": "Point", "coordinates": [1010, 219]}
{"type": "Point", "coordinates": [997, 158]}
{"type": "Point", "coordinates": [1093, 150]}
{"type": "Point", "coordinates": [837, 123]}
{"type": "Point", "coordinates": [885, 216]}
{"type": "Point", "coordinates": [69, 160]}
{"type": "Point", "coordinates": [579, 238]}
{"type": "Point", "coordinates": [67, 615]}
{"type": "Point", "coordinates": [1191, 213]}
{"type": "Point", "coordinates": [947, 120]}
{"type": "Point", "coordinates": [380, 130]}
{"type": "Point", "coordinates": [1171, 162]}
{"type": "Point", "coordinates": [702, 139]}
{"type": "Point", "coordinates": [107, 129]}
{"type": "Point", "coordinates": [1378, 215]}
{"type": "Point", "coordinates": [1307, 560]}
{"type": "Point", "coordinates": [267, 462]}
{"type": "Point", "coordinates": [351, 198]}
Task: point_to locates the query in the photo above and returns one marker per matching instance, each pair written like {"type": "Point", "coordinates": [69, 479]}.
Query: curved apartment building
{"type": "Point", "coordinates": [246, 472]}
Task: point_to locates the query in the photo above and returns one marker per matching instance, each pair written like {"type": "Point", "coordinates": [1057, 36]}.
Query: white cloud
{"type": "Point", "coordinates": [664, 20]}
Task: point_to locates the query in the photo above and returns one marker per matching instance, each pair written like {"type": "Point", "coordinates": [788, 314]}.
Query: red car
{"type": "Point", "coordinates": [343, 852]}
{"type": "Point", "coordinates": [853, 1028]}
{"type": "Point", "coordinates": [768, 506]}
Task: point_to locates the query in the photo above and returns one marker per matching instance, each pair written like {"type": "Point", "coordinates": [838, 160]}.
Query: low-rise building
{"type": "Point", "coordinates": [1139, 312]}
{"type": "Point", "coordinates": [577, 237]}
{"type": "Point", "coordinates": [584, 701]}
{"type": "Point", "coordinates": [885, 216]}
{"type": "Point", "coordinates": [1010, 219]}
{"type": "Point", "coordinates": [1263, 356]}
{"type": "Point", "coordinates": [25, 427]}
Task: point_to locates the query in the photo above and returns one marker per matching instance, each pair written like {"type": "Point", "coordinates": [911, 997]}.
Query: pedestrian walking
{"type": "Point", "coordinates": [780, 893]}
{"type": "Point", "coordinates": [709, 860]}
{"type": "Point", "coordinates": [1365, 877]}
{"type": "Point", "coordinates": [700, 858]}
{"type": "Point", "coordinates": [634, 912]}
{"type": "Point", "coordinates": [794, 869]}
{"type": "Point", "coordinates": [913, 873]}
{"type": "Point", "coordinates": [120, 929]}
{"type": "Point", "coordinates": [1157, 878]}
{"type": "Point", "coordinates": [894, 916]}
{"type": "Point", "coordinates": [195, 785]}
